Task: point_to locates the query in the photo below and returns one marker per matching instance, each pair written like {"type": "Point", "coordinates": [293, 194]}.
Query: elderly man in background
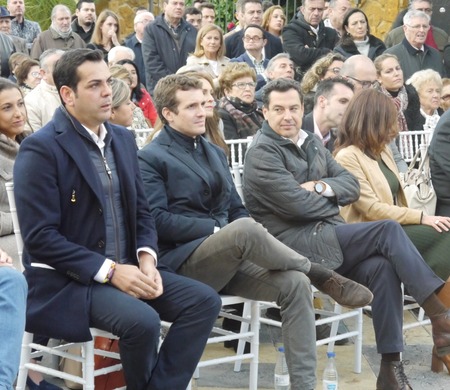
{"type": "Point", "coordinates": [20, 26]}
{"type": "Point", "coordinates": [167, 43]}
{"type": "Point", "coordinates": [20, 44]}
{"type": "Point", "coordinates": [336, 12]}
{"type": "Point", "coordinates": [59, 35]}
{"type": "Point", "coordinates": [134, 42]}
{"type": "Point", "coordinates": [43, 100]}
{"type": "Point", "coordinates": [84, 22]}
{"type": "Point", "coordinates": [306, 38]}
{"type": "Point", "coordinates": [413, 53]}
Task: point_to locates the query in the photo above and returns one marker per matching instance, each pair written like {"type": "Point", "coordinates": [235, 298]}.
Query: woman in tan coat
{"type": "Point", "coordinates": [368, 126]}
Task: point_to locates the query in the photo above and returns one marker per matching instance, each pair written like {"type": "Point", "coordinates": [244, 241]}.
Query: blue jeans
{"type": "Point", "coordinates": [13, 298]}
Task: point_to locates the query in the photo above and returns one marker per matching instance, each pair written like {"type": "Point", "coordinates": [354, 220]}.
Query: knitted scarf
{"type": "Point", "coordinates": [401, 103]}
{"type": "Point", "coordinates": [247, 115]}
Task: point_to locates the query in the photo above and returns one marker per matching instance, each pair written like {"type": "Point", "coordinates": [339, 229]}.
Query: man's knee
{"type": "Point", "coordinates": [248, 228]}
{"type": "Point", "coordinates": [295, 284]}
{"type": "Point", "coordinates": [12, 280]}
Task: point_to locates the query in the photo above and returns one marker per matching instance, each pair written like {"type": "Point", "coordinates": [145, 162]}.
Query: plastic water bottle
{"type": "Point", "coordinates": [281, 377]}
{"type": "Point", "coordinates": [330, 375]}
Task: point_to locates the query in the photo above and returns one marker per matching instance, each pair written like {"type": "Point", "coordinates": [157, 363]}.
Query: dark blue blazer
{"type": "Point", "coordinates": [60, 203]}
{"type": "Point", "coordinates": [308, 125]}
{"type": "Point", "coordinates": [184, 206]}
{"type": "Point", "coordinates": [260, 80]}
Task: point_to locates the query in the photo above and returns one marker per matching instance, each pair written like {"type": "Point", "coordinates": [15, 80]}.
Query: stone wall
{"type": "Point", "coordinates": [381, 14]}
{"type": "Point", "coordinates": [125, 11]}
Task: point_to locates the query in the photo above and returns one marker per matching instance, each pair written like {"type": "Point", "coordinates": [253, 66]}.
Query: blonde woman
{"type": "Point", "coordinates": [274, 20]}
{"type": "Point", "coordinates": [209, 51]}
{"type": "Point", "coordinates": [106, 33]}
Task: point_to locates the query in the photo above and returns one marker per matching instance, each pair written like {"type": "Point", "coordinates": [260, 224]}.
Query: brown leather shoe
{"type": "Point", "coordinates": [346, 292]}
{"type": "Point", "coordinates": [441, 332]}
{"type": "Point", "coordinates": [392, 377]}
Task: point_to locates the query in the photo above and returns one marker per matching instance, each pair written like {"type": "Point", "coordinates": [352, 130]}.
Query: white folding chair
{"type": "Point", "coordinates": [249, 333]}
{"type": "Point", "coordinates": [326, 317]}
{"type": "Point", "coordinates": [410, 141]}
{"type": "Point", "coordinates": [87, 356]}
{"type": "Point", "coordinates": [141, 136]}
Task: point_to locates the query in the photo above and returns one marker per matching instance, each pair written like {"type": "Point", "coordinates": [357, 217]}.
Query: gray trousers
{"type": "Point", "coordinates": [244, 259]}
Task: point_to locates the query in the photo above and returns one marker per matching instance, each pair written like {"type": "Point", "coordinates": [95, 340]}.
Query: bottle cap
{"type": "Point", "coordinates": [281, 349]}
{"type": "Point", "coordinates": [331, 354]}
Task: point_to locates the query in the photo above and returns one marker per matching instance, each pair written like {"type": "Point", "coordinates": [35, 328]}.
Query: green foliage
{"type": "Point", "coordinates": [40, 10]}
{"type": "Point", "coordinates": [224, 12]}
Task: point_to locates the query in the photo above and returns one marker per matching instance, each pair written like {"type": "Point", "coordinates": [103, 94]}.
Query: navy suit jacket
{"type": "Point", "coordinates": [184, 206]}
{"type": "Point", "coordinates": [60, 203]}
{"type": "Point", "coordinates": [308, 125]}
{"type": "Point", "coordinates": [260, 80]}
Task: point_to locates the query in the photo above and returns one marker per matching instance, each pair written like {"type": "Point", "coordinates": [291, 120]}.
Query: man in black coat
{"type": "Point", "coordinates": [306, 38]}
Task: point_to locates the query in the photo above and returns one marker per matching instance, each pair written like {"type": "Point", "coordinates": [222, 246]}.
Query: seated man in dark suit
{"type": "Point", "coordinates": [90, 241]}
{"type": "Point", "coordinates": [330, 102]}
{"type": "Point", "coordinates": [250, 12]}
{"type": "Point", "coordinates": [206, 233]}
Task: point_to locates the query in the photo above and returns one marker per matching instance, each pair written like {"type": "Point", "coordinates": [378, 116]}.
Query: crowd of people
{"type": "Point", "coordinates": [131, 237]}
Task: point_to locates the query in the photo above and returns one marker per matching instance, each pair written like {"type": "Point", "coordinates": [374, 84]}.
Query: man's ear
{"type": "Point", "coordinates": [67, 95]}
{"type": "Point", "coordinates": [265, 110]}
{"type": "Point", "coordinates": [265, 42]}
{"type": "Point", "coordinates": [167, 114]}
{"type": "Point", "coordinates": [321, 101]}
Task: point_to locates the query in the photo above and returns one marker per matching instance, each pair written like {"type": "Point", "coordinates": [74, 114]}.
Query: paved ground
{"type": "Point", "coordinates": [418, 346]}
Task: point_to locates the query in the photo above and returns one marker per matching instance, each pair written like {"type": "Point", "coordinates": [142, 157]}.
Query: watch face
{"type": "Point", "coordinates": [318, 187]}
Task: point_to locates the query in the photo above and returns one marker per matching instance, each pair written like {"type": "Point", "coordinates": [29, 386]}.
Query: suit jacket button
{"type": "Point", "coordinates": [100, 211]}
{"type": "Point", "coordinates": [206, 192]}
{"type": "Point", "coordinates": [101, 244]}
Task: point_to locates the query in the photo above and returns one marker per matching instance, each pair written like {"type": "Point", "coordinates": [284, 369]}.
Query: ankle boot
{"type": "Point", "coordinates": [392, 377]}
{"type": "Point", "coordinates": [444, 294]}
{"type": "Point", "coordinates": [441, 332]}
{"type": "Point", "coordinates": [438, 362]}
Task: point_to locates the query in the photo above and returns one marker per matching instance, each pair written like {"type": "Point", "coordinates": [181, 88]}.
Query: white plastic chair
{"type": "Point", "coordinates": [249, 333]}
{"type": "Point", "coordinates": [87, 356]}
{"type": "Point", "coordinates": [410, 141]}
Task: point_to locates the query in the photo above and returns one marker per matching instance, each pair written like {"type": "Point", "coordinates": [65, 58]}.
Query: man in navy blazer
{"type": "Point", "coordinates": [90, 240]}
{"type": "Point", "coordinates": [206, 233]}
{"type": "Point", "coordinates": [254, 42]}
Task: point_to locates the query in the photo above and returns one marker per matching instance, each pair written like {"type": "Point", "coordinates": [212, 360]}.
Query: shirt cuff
{"type": "Point", "coordinates": [103, 271]}
{"type": "Point", "coordinates": [328, 193]}
{"type": "Point", "coordinates": [150, 251]}
{"type": "Point", "coordinates": [216, 229]}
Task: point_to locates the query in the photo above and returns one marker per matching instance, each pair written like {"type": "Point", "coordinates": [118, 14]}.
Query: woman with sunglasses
{"type": "Point", "coordinates": [238, 108]}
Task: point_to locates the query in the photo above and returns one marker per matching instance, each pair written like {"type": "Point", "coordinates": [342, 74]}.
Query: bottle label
{"type": "Point", "coordinates": [330, 385]}
{"type": "Point", "coordinates": [282, 380]}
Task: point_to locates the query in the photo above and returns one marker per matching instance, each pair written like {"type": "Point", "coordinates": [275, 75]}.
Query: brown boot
{"type": "Point", "coordinates": [444, 294]}
{"type": "Point", "coordinates": [392, 377]}
{"type": "Point", "coordinates": [441, 332]}
{"type": "Point", "coordinates": [346, 292]}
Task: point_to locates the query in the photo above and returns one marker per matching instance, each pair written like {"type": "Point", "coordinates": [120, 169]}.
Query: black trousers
{"type": "Point", "coordinates": [380, 255]}
{"type": "Point", "coordinates": [191, 306]}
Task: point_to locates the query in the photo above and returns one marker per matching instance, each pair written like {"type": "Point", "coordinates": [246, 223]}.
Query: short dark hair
{"type": "Point", "coordinates": [240, 4]}
{"type": "Point", "coordinates": [192, 11]}
{"type": "Point", "coordinates": [166, 90]}
{"type": "Point", "coordinates": [207, 5]}
{"type": "Point", "coordinates": [80, 3]}
{"type": "Point", "coordinates": [258, 27]}
{"type": "Point", "coordinates": [66, 68]}
{"type": "Point", "coordinates": [279, 85]}
{"type": "Point", "coordinates": [325, 87]}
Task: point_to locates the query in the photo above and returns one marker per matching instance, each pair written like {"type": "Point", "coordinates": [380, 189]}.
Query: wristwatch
{"type": "Point", "coordinates": [319, 187]}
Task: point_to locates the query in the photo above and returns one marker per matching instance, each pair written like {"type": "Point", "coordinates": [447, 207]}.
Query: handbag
{"type": "Point", "coordinates": [417, 185]}
{"type": "Point", "coordinates": [109, 381]}
{"type": "Point", "coordinates": [114, 379]}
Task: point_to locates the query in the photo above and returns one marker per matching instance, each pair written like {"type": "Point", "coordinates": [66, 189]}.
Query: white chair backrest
{"type": "Point", "coordinates": [410, 141]}
{"type": "Point", "coordinates": [141, 136]}
{"type": "Point", "coordinates": [237, 151]}
{"type": "Point", "coordinates": [12, 207]}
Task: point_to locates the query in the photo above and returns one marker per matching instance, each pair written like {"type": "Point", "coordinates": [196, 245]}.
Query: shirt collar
{"type": "Point", "coordinates": [99, 139]}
